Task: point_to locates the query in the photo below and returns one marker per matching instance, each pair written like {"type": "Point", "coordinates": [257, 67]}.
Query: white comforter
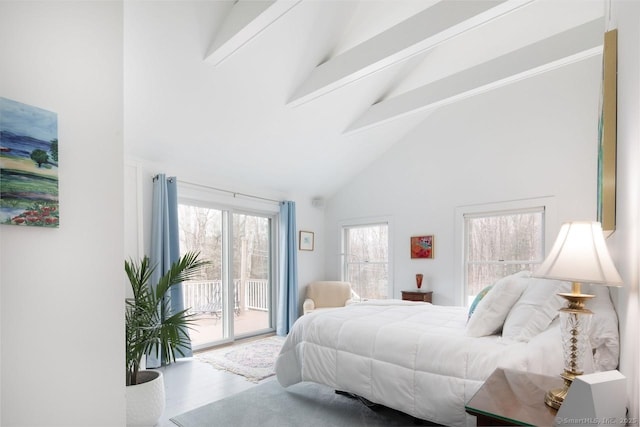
{"type": "Point", "coordinates": [413, 357]}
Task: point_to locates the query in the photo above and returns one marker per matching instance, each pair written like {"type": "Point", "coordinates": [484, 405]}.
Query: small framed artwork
{"type": "Point", "coordinates": [422, 247]}
{"type": "Point", "coordinates": [306, 240]}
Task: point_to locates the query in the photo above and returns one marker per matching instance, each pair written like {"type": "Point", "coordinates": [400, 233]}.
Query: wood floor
{"type": "Point", "coordinates": [190, 383]}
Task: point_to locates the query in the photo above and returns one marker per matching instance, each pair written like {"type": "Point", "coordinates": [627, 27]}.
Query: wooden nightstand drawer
{"type": "Point", "coordinates": [416, 295]}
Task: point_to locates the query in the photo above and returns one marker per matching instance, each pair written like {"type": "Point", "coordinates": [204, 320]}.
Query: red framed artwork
{"type": "Point", "coordinates": [422, 247]}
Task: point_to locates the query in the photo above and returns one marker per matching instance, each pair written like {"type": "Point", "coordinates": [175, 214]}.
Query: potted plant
{"type": "Point", "coordinates": [152, 329]}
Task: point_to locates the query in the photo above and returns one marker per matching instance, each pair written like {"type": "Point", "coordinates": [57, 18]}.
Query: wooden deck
{"type": "Point", "coordinates": [209, 327]}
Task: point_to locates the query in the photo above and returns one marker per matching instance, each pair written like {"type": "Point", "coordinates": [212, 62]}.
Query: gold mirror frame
{"type": "Point", "coordinates": [607, 135]}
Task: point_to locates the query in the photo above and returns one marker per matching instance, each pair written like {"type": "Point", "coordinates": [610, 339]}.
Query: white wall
{"type": "Point", "coordinates": [61, 303]}
{"type": "Point", "coordinates": [532, 139]}
{"type": "Point", "coordinates": [623, 244]}
{"type": "Point", "coordinates": [310, 263]}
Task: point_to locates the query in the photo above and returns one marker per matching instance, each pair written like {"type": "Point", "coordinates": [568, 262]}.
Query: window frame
{"type": "Point", "coordinates": [550, 223]}
{"type": "Point", "coordinates": [368, 222]}
{"type": "Point", "coordinates": [195, 195]}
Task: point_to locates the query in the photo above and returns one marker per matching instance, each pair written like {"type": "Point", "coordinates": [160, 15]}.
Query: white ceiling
{"type": "Point", "coordinates": [300, 95]}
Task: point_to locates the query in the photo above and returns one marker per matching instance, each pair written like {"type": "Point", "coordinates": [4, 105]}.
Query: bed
{"type": "Point", "coordinates": [428, 360]}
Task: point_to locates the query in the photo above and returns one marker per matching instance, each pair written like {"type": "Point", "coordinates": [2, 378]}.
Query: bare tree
{"type": "Point", "coordinates": [367, 260]}
{"type": "Point", "coordinates": [501, 245]}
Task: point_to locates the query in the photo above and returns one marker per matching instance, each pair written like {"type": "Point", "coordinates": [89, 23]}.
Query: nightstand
{"type": "Point", "coordinates": [417, 295]}
{"type": "Point", "coordinates": [513, 398]}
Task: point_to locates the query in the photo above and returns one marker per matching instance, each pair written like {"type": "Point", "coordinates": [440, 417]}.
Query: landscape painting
{"type": "Point", "coordinates": [28, 165]}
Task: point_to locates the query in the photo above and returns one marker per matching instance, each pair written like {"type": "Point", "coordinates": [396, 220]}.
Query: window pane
{"type": "Point", "coordinates": [201, 230]}
{"type": "Point", "coordinates": [370, 243]}
{"type": "Point", "coordinates": [251, 246]}
{"type": "Point", "coordinates": [505, 237]}
{"type": "Point", "coordinates": [251, 273]}
{"type": "Point", "coordinates": [501, 244]}
{"type": "Point", "coordinates": [366, 260]}
{"type": "Point", "coordinates": [369, 280]}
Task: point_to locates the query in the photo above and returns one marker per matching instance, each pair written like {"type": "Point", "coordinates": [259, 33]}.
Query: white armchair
{"type": "Point", "coordinates": [325, 295]}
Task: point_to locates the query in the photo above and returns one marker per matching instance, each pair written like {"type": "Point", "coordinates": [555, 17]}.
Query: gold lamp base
{"type": "Point", "coordinates": [556, 396]}
{"type": "Point", "coordinates": [575, 307]}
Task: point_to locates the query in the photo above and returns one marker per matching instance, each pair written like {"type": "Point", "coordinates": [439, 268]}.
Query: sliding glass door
{"type": "Point", "coordinates": [252, 273]}
{"type": "Point", "coordinates": [234, 297]}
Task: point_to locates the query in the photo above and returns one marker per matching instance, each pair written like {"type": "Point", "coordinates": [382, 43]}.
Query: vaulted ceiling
{"type": "Point", "coordinates": [300, 95]}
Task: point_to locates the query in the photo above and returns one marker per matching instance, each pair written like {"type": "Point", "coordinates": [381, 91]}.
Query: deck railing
{"type": "Point", "coordinates": [205, 296]}
{"type": "Point", "coordinates": [257, 295]}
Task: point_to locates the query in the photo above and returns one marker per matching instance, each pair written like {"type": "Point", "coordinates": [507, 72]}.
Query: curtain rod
{"type": "Point", "coordinates": [234, 193]}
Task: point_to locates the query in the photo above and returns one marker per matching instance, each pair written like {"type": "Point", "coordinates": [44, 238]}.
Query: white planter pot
{"type": "Point", "coordinates": [145, 402]}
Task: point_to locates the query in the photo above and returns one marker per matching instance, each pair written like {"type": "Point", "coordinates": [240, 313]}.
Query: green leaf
{"type": "Point", "coordinates": [150, 327]}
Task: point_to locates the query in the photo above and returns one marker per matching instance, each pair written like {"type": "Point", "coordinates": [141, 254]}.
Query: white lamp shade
{"type": "Point", "coordinates": [580, 254]}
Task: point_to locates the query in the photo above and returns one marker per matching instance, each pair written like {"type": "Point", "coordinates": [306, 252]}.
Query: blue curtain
{"type": "Point", "coordinates": [288, 285]}
{"type": "Point", "coordinates": [165, 245]}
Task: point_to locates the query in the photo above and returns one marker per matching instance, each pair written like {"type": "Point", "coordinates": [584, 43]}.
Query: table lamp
{"type": "Point", "coordinates": [579, 255]}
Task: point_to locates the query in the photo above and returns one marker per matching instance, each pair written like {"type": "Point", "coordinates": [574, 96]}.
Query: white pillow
{"type": "Point", "coordinates": [489, 315]}
{"type": "Point", "coordinates": [603, 331]}
{"type": "Point", "coordinates": [535, 309]}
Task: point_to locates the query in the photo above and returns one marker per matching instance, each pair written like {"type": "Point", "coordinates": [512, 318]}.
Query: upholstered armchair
{"type": "Point", "coordinates": [325, 295]}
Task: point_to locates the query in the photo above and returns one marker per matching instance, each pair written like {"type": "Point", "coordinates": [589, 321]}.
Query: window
{"type": "Point", "coordinates": [365, 254]}
{"type": "Point", "coordinates": [233, 298]}
{"type": "Point", "coordinates": [498, 244]}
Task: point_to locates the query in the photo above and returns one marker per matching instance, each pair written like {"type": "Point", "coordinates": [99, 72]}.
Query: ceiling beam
{"type": "Point", "coordinates": [551, 53]}
{"type": "Point", "coordinates": [413, 36]}
{"type": "Point", "coordinates": [246, 20]}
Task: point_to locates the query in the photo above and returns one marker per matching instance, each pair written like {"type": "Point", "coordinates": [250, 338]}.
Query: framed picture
{"type": "Point", "coordinates": [422, 247]}
{"type": "Point", "coordinates": [306, 241]}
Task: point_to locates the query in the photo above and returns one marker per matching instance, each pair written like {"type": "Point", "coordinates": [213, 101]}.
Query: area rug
{"type": "Point", "coordinates": [253, 360]}
{"type": "Point", "coordinates": [304, 404]}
